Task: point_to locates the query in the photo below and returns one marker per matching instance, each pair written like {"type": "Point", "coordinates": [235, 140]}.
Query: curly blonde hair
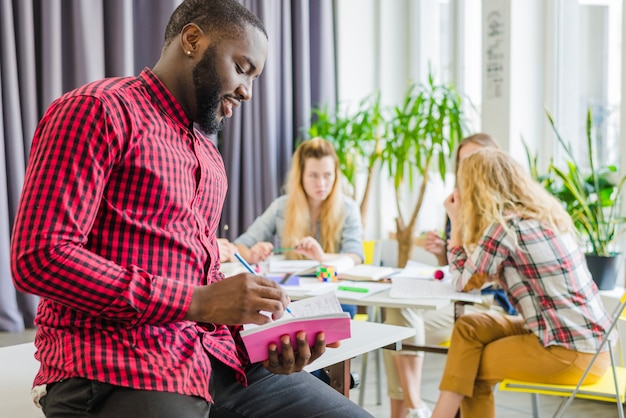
{"type": "Point", "coordinates": [297, 216]}
{"type": "Point", "coordinates": [493, 187]}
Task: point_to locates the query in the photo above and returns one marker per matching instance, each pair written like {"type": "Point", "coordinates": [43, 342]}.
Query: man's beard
{"type": "Point", "coordinates": [207, 87]}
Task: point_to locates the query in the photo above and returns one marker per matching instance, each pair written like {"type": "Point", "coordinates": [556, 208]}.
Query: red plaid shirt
{"type": "Point", "coordinates": [544, 275]}
{"type": "Point", "coordinates": [116, 225]}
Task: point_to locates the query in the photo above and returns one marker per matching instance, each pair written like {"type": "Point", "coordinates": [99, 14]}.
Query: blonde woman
{"type": "Point", "coordinates": [314, 216]}
{"type": "Point", "coordinates": [404, 368]}
{"type": "Point", "coordinates": [506, 227]}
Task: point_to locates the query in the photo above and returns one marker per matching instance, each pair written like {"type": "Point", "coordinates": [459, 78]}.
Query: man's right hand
{"type": "Point", "coordinates": [238, 300]}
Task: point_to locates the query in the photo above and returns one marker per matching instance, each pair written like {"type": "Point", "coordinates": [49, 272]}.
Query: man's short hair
{"type": "Point", "coordinates": [220, 18]}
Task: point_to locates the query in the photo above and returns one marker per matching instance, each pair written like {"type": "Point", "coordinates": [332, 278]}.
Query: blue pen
{"type": "Point", "coordinates": [245, 263]}
{"type": "Point", "coordinates": [251, 270]}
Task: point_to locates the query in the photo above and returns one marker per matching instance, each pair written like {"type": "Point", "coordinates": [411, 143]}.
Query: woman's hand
{"type": "Point", "coordinates": [227, 250]}
{"type": "Point", "coordinates": [433, 243]}
{"type": "Point", "coordinates": [260, 251]}
{"type": "Point", "coordinates": [310, 248]}
{"type": "Point", "coordinates": [453, 207]}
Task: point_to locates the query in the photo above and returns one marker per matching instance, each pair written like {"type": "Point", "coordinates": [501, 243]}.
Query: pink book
{"type": "Point", "coordinates": [256, 339]}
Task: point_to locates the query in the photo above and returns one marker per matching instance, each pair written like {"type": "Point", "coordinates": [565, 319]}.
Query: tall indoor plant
{"type": "Point", "coordinates": [593, 199]}
{"type": "Point", "coordinates": [410, 140]}
{"type": "Point", "coordinates": [424, 130]}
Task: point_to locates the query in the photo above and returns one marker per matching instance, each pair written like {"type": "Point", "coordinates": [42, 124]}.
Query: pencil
{"type": "Point", "coordinates": [245, 263]}
{"type": "Point", "coordinates": [251, 270]}
{"type": "Point", "coordinates": [282, 250]}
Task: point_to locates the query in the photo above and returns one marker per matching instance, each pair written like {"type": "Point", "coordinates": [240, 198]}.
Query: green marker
{"type": "Point", "coordinates": [282, 250]}
{"type": "Point", "coordinates": [353, 289]}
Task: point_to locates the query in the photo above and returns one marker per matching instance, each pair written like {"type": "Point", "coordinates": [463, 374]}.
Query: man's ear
{"type": "Point", "coordinates": [190, 38]}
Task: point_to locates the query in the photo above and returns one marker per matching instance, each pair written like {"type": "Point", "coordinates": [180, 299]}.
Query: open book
{"type": "Point", "coordinates": [365, 272]}
{"type": "Point", "coordinates": [312, 315]}
{"type": "Point", "coordinates": [419, 280]}
{"type": "Point", "coordinates": [308, 267]}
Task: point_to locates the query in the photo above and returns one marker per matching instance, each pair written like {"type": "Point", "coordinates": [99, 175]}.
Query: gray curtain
{"type": "Point", "coordinates": [48, 47]}
{"type": "Point", "coordinates": [258, 141]}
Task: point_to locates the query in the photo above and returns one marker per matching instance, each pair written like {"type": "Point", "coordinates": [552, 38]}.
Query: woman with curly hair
{"type": "Point", "coordinates": [506, 227]}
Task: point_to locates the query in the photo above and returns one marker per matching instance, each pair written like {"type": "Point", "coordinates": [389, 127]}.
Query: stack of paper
{"type": "Point", "coordinates": [364, 272]}
{"type": "Point", "coordinates": [411, 288]}
{"type": "Point", "coordinates": [308, 267]}
{"type": "Point", "coordinates": [417, 270]}
{"type": "Point", "coordinates": [280, 265]}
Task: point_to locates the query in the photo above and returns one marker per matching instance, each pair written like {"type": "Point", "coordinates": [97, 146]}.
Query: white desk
{"type": "Point", "coordinates": [18, 365]}
{"type": "Point", "coordinates": [366, 337]}
{"type": "Point", "coordinates": [362, 342]}
{"type": "Point", "coordinates": [17, 371]}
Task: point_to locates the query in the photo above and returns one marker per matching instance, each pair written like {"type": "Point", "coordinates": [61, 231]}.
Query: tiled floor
{"type": "Point", "coordinates": [508, 405]}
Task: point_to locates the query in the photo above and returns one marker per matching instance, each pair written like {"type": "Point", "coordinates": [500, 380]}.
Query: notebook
{"type": "Point", "coordinates": [308, 267]}
{"type": "Point", "coordinates": [365, 272]}
{"type": "Point", "coordinates": [312, 315]}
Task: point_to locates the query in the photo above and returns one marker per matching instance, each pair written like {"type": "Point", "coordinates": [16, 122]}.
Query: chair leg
{"type": "Point", "coordinates": [364, 361]}
{"type": "Point", "coordinates": [618, 397]}
{"type": "Point", "coordinates": [373, 315]}
{"type": "Point", "coordinates": [535, 401]}
{"type": "Point", "coordinates": [379, 389]}
{"type": "Point", "coordinates": [566, 402]}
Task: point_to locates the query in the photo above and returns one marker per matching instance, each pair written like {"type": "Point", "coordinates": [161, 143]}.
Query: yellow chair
{"type": "Point", "coordinates": [610, 388]}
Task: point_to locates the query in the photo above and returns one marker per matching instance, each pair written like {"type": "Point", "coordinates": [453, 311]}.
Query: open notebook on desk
{"type": "Point", "coordinates": [365, 272]}
{"type": "Point", "coordinates": [417, 270]}
{"type": "Point", "coordinates": [310, 286]}
{"type": "Point", "coordinates": [424, 281]}
{"type": "Point", "coordinates": [278, 264]}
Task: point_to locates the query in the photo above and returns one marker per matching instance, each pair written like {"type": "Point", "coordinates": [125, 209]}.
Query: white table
{"type": "Point", "coordinates": [18, 365]}
{"type": "Point", "coordinates": [17, 371]}
{"type": "Point", "coordinates": [366, 337]}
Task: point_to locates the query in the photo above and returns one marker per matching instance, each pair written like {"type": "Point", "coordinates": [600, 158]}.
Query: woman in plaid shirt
{"type": "Point", "coordinates": [505, 225]}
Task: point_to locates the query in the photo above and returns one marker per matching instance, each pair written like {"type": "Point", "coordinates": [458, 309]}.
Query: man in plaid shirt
{"type": "Point", "coordinates": [116, 231]}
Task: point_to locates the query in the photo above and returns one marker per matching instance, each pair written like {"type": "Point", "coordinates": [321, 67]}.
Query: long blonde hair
{"type": "Point", "coordinates": [480, 138]}
{"type": "Point", "coordinates": [493, 187]}
{"type": "Point", "coordinates": [298, 216]}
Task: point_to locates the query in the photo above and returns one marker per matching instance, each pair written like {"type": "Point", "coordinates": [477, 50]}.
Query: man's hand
{"type": "Point", "coordinates": [291, 360]}
{"type": "Point", "coordinates": [238, 300]}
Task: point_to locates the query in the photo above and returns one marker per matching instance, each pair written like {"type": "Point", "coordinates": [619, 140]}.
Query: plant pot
{"type": "Point", "coordinates": [604, 269]}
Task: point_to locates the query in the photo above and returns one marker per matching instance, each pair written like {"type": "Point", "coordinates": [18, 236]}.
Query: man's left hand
{"type": "Point", "coordinates": [294, 360]}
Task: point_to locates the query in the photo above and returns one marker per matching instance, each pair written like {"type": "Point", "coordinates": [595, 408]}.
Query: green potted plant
{"type": "Point", "coordinates": [424, 130]}
{"type": "Point", "coordinates": [592, 197]}
{"type": "Point", "coordinates": [412, 139]}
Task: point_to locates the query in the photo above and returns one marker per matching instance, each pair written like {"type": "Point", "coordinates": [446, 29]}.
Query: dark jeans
{"type": "Point", "coordinates": [79, 397]}
{"type": "Point", "coordinates": [267, 395]}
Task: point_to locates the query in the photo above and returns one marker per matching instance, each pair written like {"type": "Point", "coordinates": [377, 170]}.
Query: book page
{"type": "Point", "coordinates": [411, 288]}
{"type": "Point", "coordinates": [278, 265]}
{"type": "Point", "coordinates": [324, 304]}
{"type": "Point", "coordinates": [366, 272]}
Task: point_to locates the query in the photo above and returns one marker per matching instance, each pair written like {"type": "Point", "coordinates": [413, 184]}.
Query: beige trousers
{"type": "Point", "coordinates": [487, 347]}
{"type": "Point", "coordinates": [432, 327]}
